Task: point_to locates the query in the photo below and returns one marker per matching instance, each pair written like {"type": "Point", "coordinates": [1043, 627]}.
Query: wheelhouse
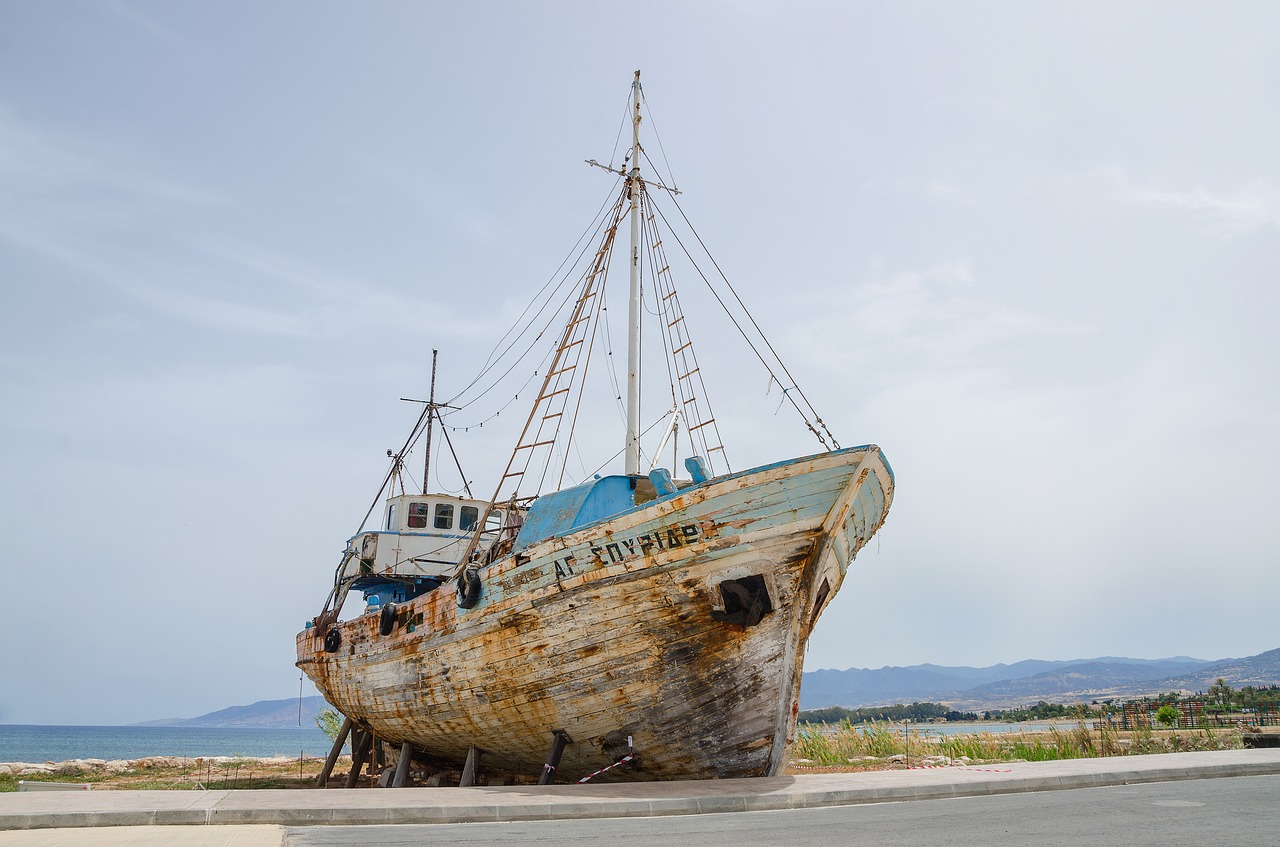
{"type": "Point", "coordinates": [421, 539]}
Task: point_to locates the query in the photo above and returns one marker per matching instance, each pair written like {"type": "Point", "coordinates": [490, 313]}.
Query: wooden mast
{"type": "Point", "coordinates": [431, 419]}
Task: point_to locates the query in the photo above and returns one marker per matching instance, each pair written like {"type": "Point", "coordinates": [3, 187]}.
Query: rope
{"type": "Point", "coordinates": [622, 761]}
{"type": "Point", "coordinates": [738, 325]}
{"type": "Point", "coordinates": [656, 135]}
{"type": "Point", "coordinates": [760, 332]}
{"type": "Point", "coordinates": [496, 355]}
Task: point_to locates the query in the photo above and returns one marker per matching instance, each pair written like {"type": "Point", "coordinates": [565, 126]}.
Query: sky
{"type": "Point", "coordinates": [1030, 250]}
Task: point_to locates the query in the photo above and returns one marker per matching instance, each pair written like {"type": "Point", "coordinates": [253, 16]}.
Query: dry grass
{"type": "Point", "coordinates": [191, 774]}
{"type": "Point", "coordinates": [846, 746]}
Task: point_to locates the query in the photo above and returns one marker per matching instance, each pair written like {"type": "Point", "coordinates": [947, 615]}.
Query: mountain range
{"type": "Point", "coordinates": [263, 714]}
{"type": "Point", "coordinates": [965, 689]}
{"type": "Point", "coordinates": [1028, 682]}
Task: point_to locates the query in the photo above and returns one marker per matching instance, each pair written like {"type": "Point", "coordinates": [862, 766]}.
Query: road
{"type": "Point", "coordinates": [1236, 812]}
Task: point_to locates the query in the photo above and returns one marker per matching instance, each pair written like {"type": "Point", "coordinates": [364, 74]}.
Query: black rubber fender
{"type": "Point", "coordinates": [468, 585]}
{"type": "Point", "coordinates": [332, 640]}
{"type": "Point", "coordinates": [387, 620]}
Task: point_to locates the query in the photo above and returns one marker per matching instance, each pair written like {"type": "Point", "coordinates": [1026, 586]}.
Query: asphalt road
{"type": "Point", "coordinates": [1236, 812]}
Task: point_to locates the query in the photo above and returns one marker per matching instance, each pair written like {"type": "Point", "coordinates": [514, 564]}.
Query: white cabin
{"type": "Point", "coordinates": [421, 535]}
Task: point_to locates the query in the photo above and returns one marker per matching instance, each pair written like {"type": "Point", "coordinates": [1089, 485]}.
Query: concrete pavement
{"type": "Point", "coordinates": [139, 815]}
{"type": "Point", "coordinates": [254, 835]}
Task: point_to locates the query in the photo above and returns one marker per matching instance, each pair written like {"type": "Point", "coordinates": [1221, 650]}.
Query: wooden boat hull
{"type": "Point", "coordinates": [618, 631]}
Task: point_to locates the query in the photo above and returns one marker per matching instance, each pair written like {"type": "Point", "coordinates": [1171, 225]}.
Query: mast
{"type": "Point", "coordinates": [634, 186]}
{"type": "Point", "coordinates": [431, 418]}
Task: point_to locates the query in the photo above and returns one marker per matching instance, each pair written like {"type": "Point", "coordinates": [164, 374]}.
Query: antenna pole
{"type": "Point", "coordinates": [634, 187]}
{"type": "Point", "coordinates": [431, 419]}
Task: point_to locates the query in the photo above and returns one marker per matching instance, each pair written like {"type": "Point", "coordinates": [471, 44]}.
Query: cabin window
{"type": "Point", "coordinates": [444, 516]}
{"type": "Point", "coordinates": [418, 514]}
{"type": "Point", "coordinates": [391, 518]}
{"type": "Point", "coordinates": [468, 517]}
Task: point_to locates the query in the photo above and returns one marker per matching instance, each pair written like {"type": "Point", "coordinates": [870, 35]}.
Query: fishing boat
{"type": "Point", "coordinates": [640, 625]}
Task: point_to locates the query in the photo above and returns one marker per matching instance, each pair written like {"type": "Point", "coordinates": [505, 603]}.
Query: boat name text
{"type": "Point", "coordinates": [602, 552]}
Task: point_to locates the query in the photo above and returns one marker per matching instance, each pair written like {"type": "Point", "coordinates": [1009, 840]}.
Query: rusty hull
{"type": "Point", "coordinates": [605, 636]}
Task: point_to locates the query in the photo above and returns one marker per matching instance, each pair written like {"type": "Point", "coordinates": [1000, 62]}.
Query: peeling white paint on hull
{"type": "Point", "coordinates": [623, 629]}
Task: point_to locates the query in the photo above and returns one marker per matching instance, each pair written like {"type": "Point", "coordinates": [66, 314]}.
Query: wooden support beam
{"type": "Point", "coordinates": [359, 752]}
{"type": "Point", "coordinates": [402, 766]}
{"type": "Point", "coordinates": [559, 740]}
{"type": "Point", "coordinates": [469, 769]}
{"type": "Point", "coordinates": [323, 779]}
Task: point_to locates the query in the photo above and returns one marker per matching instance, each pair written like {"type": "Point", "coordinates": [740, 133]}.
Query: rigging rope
{"type": "Point", "coordinates": [584, 242]}
{"type": "Point", "coordinates": [656, 135]}
{"type": "Point", "coordinates": [626, 113]}
{"type": "Point", "coordinates": [741, 331]}
{"type": "Point", "coordinates": [396, 462]}
{"type": "Point", "coordinates": [680, 355]}
{"type": "Point", "coordinates": [612, 368]}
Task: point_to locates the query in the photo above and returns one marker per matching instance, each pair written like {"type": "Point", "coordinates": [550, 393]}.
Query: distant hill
{"type": "Point", "coordinates": [1262, 669]}
{"type": "Point", "coordinates": [964, 688]}
{"type": "Point", "coordinates": [1006, 686]}
{"type": "Point", "coordinates": [264, 713]}
{"type": "Point", "coordinates": [1086, 680]}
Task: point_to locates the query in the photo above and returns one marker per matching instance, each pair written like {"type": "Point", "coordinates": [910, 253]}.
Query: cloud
{"type": "Point", "coordinates": [937, 189]}
{"type": "Point", "coordinates": [1226, 212]}
{"type": "Point", "coordinates": [114, 224]}
{"type": "Point", "coordinates": [148, 24]}
{"type": "Point", "coordinates": [931, 319]}
{"type": "Point", "coordinates": [57, 173]}
{"type": "Point", "coordinates": [941, 189]}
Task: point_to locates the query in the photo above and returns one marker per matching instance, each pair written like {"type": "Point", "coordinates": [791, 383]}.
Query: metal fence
{"type": "Point", "coordinates": [1192, 714]}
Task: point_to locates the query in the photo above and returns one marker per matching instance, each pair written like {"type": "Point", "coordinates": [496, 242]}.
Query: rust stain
{"type": "Point", "coordinates": [620, 643]}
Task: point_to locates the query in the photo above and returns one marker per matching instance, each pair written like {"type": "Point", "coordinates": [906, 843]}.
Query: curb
{"type": "Point", "coordinates": [434, 806]}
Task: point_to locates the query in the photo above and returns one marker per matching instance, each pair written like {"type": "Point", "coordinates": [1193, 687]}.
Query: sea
{"type": "Point", "coordinates": [959, 728]}
{"type": "Point", "coordinates": [19, 743]}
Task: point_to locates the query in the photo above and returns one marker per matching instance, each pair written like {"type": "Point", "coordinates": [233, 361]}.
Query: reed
{"type": "Point", "coordinates": [844, 744]}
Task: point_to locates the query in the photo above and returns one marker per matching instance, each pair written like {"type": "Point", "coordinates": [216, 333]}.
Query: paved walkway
{"type": "Point", "coordinates": [152, 817]}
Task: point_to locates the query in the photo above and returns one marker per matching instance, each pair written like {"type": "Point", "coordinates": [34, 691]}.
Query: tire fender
{"type": "Point", "coordinates": [387, 620]}
{"type": "Point", "coordinates": [468, 587]}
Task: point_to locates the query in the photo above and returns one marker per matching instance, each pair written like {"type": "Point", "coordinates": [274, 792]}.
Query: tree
{"type": "Point", "coordinates": [1221, 692]}
{"type": "Point", "coordinates": [330, 722]}
{"type": "Point", "coordinates": [1168, 716]}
